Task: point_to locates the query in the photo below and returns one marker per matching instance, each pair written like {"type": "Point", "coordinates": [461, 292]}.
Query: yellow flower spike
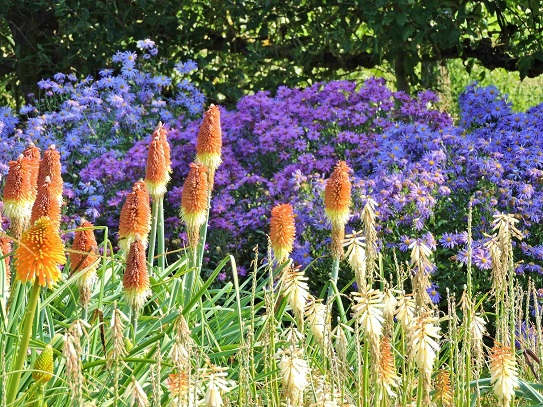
{"type": "Point", "coordinates": [135, 216]}
{"type": "Point", "coordinates": [50, 167]}
{"type": "Point", "coordinates": [209, 141]}
{"type": "Point", "coordinates": [157, 173]}
{"type": "Point", "coordinates": [337, 195]}
{"type": "Point", "coordinates": [136, 276]}
{"type": "Point", "coordinates": [39, 254]}
{"type": "Point", "coordinates": [43, 366]}
{"type": "Point", "coordinates": [194, 200]}
{"type": "Point", "coordinates": [47, 203]}
{"type": "Point", "coordinates": [282, 231]}
{"type": "Point", "coordinates": [19, 195]}
{"type": "Point", "coordinates": [33, 155]}
{"type": "Point", "coordinates": [337, 199]}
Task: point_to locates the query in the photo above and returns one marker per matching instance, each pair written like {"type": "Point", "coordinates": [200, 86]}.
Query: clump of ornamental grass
{"type": "Point", "coordinates": [282, 231]}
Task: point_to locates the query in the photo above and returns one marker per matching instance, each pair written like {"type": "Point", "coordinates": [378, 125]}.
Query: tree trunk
{"type": "Point", "coordinates": [402, 83]}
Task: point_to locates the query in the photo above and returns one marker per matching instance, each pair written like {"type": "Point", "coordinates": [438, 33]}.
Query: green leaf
{"type": "Point", "coordinates": [401, 19]}
{"type": "Point", "coordinates": [524, 64]}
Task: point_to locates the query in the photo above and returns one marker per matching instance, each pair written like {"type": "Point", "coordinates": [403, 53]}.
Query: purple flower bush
{"type": "Point", "coordinates": [408, 156]}
{"type": "Point", "coordinates": [100, 117]}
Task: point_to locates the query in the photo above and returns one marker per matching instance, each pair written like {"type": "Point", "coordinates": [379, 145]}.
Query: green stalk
{"type": "Point", "coordinates": [17, 369]}
{"type": "Point", "coordinates": [405, 383]}
{"type": "Point", "coordinates": [333, 277]}
{"type": "Point", "coordinates": [366, 379]}
{"type": "Point", "coordinates": [469, 317]}
{"type": "Point", "coordinates": [134, 322]}
{"type": "Point", "coordinates": [84, 314]}
{"type": "Point", "coordinates": [196, 257]}
{"type": "Point", "coordinates": [152, 236]}
{"type": "Point", "coordinates": [160, 229]}
{"type": "Point", "coordinates": [420, 390]}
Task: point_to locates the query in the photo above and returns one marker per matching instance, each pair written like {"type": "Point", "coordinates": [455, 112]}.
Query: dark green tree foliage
{"type": "Point", "coordinates": [243, 46]}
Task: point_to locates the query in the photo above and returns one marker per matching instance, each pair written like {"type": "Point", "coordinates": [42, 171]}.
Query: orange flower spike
{"type": "Point", "coordinates": [19, 195]}
{"type": "Point", "coordinates": [46, 204]}
{"type": "Point", "coordinates": [5, 247]}
{"type": "Point", "coordinates": [39, 254]}
{"type": "Point", "coordinates": [33, 155]}
{"type": "Point", "coordinates": [157, 173]}
{"type": "Point", "coordinates": [194, 200]}
{"type": "Point", "coordinates": [337, 199]}
{"type": "Point", "coordinates": [337, 195]}
{"type": "Point", "coordinates": [85, 252]}
{"type": "Point", "coordinates": [209, 141]}
{"type": "Point", "coordinates": [135, 216]}
{"type": "Point", "coordinates": [162, 134]}
{"type": "Point", "coordinates": [84, 257]}
{"type": "Point", "coordinates": [50, 167]}
{"type": "Point", "coordinates": [136, 277]}
{"type": "Point", "coordinates": [282, 231]}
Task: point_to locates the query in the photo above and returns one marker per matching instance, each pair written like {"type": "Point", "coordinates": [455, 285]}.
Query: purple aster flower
{"type": "Point", "coordinates": [405, 242]}
{"type": "Point", "coordinates": [433, 293]}
{"type": "Point", "coordinates": [448, 241]}
{"type": "Point", "coordinates": [302, 254]}
{"type": "Point", "coordinates": [481, 258]}
{"type": "Point", "coordinates": [186, 67]}
{"type": "Point", "coordinates": [94, 201]}
{"type": "Point", "coordinates": [145, 44]}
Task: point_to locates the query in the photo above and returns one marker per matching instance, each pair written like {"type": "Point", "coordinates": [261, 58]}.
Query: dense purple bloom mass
{"type": "Point", "coordinates": [406, 154]}
{"type": "Point", "coordinates": [104, 117]}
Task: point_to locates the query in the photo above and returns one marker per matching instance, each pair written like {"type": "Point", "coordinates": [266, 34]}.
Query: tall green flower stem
{"type": "Point", "coordinates": [366, 377]}
{"type": "Point", "coordinates": [160, 230]}
{"type": "Point", "coordinates": [134, 322]}
{"type": "Point", "coordinates": [420, 391]}
{"type": "Point", "coordinates": [152, 235]}
{"type": "Point", "coordinates": [466, 349]}
{"type": "Point", "coordinates": [333, 277]}
{"type": "Point", "coordinates": [196, 257]}
{"type": "Point", "coordinates": [17, 368]}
